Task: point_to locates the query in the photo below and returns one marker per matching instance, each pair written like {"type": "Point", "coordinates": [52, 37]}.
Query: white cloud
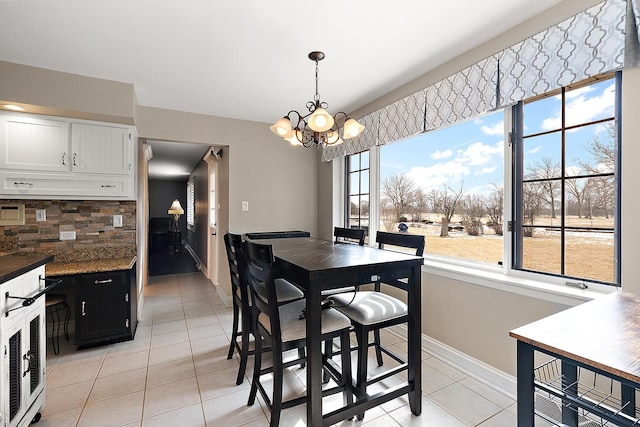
{"type": "Point", "coordinates": [535, 149]}
{"type": "Point", "coordinates": [478, 153]}
{"type": "Point", "coordinates": [442, 154]}
{"type": "Point", "coordinates": [496, 129]}
{"type": "Point", "coordinates": [477, 159]}
{"type": "Point", "coordinates": [581, 109]}
{"type": "Point", "coordinates": [437, 175]}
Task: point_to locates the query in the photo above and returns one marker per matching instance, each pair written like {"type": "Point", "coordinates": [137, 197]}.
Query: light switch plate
{"type": "Point", "coordinates": [117, 220]}
{"type": "Point", "coordinates": [41, 215]}
{"type": "Point", "coordinates": [245, 206]}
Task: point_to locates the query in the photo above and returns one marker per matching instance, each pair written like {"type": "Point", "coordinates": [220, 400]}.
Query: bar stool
{"type": "Point", "coordinates": [54, 304]}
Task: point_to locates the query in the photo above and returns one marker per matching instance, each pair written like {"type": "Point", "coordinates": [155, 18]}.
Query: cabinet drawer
{"type": "Point", "coordinates": [85, 186]}
{"type": "Point", "coordinates": [98, 281]}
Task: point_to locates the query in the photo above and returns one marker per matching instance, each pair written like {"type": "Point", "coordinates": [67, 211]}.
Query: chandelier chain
{"type": "Point", "coordinates": [317, 97]}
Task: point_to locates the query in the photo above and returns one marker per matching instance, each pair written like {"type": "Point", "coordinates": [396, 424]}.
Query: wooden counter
{"type": "Point", "coordinates": [602, 337]}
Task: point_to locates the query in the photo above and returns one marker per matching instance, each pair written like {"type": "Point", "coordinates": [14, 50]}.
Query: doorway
{"type": "Point", "coordinates": [171, 167]}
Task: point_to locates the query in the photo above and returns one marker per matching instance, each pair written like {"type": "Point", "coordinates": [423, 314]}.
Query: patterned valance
{"type": "Point", "coordinates": [597, 40]}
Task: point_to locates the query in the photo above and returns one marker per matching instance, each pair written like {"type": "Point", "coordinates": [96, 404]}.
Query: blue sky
{"type": "Point", "coordinates": [473, 151]}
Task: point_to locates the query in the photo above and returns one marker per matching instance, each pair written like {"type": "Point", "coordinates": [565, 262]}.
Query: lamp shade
{"type": "Point", "coordinates": [295, 138]}
{"type": "Point", "coordinates": [321, 120]}
{"type": "Point", "coordinates": [282, 127]}
{"type": "Point", "coordinates": [352, 129]}
{"type": "Point", "coordinates": [175, 208]}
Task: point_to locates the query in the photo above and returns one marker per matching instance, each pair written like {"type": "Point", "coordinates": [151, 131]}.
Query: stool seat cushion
{"type": "Point", "coordinates": [369, 307]}
{"type": "Point", "coordinates": [294, 328]}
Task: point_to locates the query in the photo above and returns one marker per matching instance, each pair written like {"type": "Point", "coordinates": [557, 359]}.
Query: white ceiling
{"type": "Point", "coordinates": [247, 59]}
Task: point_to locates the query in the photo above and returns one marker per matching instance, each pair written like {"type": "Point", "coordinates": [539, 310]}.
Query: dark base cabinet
{"type": "Point", "coordinates": [105, 307]}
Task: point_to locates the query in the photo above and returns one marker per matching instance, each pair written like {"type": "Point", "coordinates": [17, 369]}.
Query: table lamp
{"type": "Point", "coordinates": [176, 210]}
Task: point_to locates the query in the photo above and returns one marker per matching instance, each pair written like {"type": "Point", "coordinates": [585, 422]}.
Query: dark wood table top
{"type": "Point", "coordinates": [319, 255]}
{"type": "Point", "coordinates": [603, 333]}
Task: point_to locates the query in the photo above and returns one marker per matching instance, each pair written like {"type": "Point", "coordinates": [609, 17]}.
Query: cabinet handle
{"type": "Point", "coordinates": [64, 162]}
{"type": "Point", "coordinates": [107, 186]}
{"type": "Point", "coordinates": [75, 155]}
{"type": "Point", "coordinates": [83, 313]}
{"type": "Point", "coordinates": [101, 282]}
{"type": "Point", "coordinates": [29, 357]}
{"type": "Point", "coordinates": [126, 297]}
{"type": "Point", "coordinates": [22, 183]}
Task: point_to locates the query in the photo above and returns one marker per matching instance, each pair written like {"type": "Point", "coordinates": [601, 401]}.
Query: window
{"type": "Point", "coordinates": [565, 183]}
{"type": "Point", "coordinates": [560, 213]}
{"type": "Point", "coordinates": [447, 185]}
{"type": "Point", "coordinates": [358, 191]}
{"type": "Point", "coordinates": [191, 204]}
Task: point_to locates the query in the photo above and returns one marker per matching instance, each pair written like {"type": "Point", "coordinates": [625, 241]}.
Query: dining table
{"type": "Point", "coordinates": [317, 265]}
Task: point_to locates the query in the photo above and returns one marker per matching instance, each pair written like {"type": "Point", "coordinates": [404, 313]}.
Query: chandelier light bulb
{"type": "Point", "coordinates": [282, 127]}
{"type": "Point", "coordinates": [321, 120]}
{"type": "Point", "coordinates": [352, 128]}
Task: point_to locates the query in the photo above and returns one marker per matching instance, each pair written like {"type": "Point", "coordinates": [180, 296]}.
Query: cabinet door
{"type": "Point", "coordinates": [23, 348]}
{"type": "Point", "coordinates": [34, 144]}
{"type": "Point", "coordinates": [101, 149]}
{"type": "Point", "coordinates": [103, 306]}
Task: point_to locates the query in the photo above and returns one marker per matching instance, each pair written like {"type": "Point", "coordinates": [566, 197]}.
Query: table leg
{"type": "Point", "coordinates": [314, 357]}
{"type": "Point", "coordinates": [525, 387]}
{"type": "Point", "coordinates": [628, 395]}
{"type": "Point", "coordinates": [570, 387]}
{"type": "Point", "coordinates": [414, 334]}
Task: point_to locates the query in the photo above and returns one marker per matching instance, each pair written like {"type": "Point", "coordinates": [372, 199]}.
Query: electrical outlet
{"type": "Point", "coordinates": [67, 235]}
{"type": "Point", "coordinates": [245, 206]}
{"type": "Point", "coordinates": [117, 220]}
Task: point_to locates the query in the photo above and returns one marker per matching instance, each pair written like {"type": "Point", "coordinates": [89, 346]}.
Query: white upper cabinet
{"type": "Point", "coordinates": [34, 144]}
{"type": "Point", "coordinates": [49, 157]}
{"type": "Point", "coordinates": [101, 149]}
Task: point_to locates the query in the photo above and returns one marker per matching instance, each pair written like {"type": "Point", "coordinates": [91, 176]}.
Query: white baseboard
{"type": "Point", "coordinates": [487, 374]}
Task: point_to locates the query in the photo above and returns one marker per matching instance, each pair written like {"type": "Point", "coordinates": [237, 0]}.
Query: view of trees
{"type": "Point", "coordinates": [589, 191]}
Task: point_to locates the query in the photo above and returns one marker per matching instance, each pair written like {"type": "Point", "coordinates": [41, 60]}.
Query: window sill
{"type": "Point", "coordinates": [552, 290]}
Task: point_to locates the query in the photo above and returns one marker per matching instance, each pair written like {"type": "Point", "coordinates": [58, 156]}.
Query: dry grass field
{"type": "Point", "coordinates": [588, 255]}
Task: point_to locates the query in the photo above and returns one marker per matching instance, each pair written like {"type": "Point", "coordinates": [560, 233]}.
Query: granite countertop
{"type": "Point", "coordinates": [14, 265]}
{"type": "Point", "coordinates": [67, 268]}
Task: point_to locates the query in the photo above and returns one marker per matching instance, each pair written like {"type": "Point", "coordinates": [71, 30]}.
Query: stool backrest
{"type": "Point", "coordinates": [403, 240]}
{"type": "Point", "coordinates": [349, 235]}
{"type": "Point", "coordinates": [259, 258]}
{"type": "Point", "coordinates": [237, 268]}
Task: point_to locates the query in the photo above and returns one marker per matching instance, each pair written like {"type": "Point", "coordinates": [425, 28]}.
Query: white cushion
{"type": "Point", "coordinates": [285, 291]}
{"type": "Point", "coordinates": [369, 307]}
{"type": "Point", "coordinates": [294, 328]}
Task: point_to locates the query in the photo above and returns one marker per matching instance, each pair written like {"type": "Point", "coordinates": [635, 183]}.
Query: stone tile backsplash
{"type": "Point", "coordinates": [92, 220]}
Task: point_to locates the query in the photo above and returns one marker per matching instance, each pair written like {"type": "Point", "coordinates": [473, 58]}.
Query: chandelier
{"type": "Point", "coordinates": [318, 126]}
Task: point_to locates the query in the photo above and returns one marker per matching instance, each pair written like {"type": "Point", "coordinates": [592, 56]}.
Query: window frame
{"type": "Point", "coordinates": [519, 177]}
{"type": "Point", "coordinates": [501, 277]}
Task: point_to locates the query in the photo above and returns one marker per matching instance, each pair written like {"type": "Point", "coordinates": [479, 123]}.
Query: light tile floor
{"type": "Point", "coordinates": [175, 373]}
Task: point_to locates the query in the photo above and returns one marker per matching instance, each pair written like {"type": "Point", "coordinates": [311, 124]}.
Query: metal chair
{"type": "Point", "coordinates": [54, 304]}
{"type": "Point", "coordinates": [375, 310]}
{"type": "Point", "coordinates": [242, 305]}
{"type": "Point", "coordinates": [283, 328]}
